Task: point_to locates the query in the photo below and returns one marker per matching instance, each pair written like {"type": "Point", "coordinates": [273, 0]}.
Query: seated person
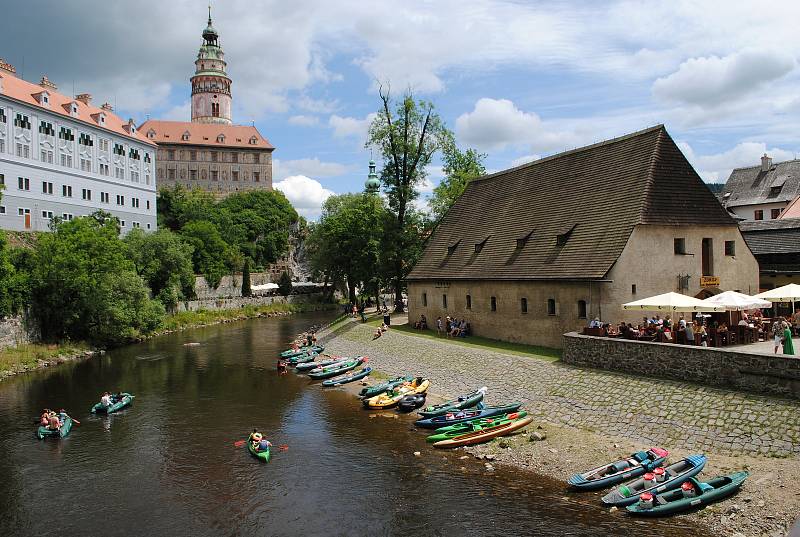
{"type": "Point", "coordinates": [378, 333]}
{"type": "Point", "coordinates": [53, 422]}
{"type": "Point", "coordinates": [44, 420]}
{"type": "Point", "coordinates": [105, 400]}
{"type": "Point", "coordinates": [595, 323]}
{"type": "Point", "coordinates": [462, 328]}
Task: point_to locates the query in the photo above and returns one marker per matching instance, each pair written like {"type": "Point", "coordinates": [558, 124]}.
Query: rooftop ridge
{"type": "Point", "coordinates": [774, 164]}
{"type": "Point", "coordinates": [573, 151]}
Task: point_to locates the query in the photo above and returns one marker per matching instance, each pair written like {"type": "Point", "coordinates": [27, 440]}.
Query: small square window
{"type": "Point", "coordinates": [679, 245]}
{"type": "Point", "coordinates": [775, 213]}
{"type": "Point", "coordinates": [758, 215]}
{"type": "Point", "coordinates": [730, 248]}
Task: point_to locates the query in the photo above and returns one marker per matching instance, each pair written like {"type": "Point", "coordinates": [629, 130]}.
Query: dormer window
{"type": "Point", "coordinates": [221, 139]}
{"type": "Point", "coordinates": [563, 237]}
{"type": "Point", "coordinates": [253, 140]}
{"type": "Point", "coordinates": [185, 136]}
{"type": "Point", "coordinates": [775, 191]}
{"type": "Point", "coordinates": [73, 109]}
{"type": "Point", "coordinates": [479, 245]}
{"type": "Point", "coordinates": [43, 98]}
{"type": "Point", "coordinates": [151, 134]}
{"type": "Point", "coordinates": [522, 241]}
{"type": "Point", "coordinates": [452, 248]}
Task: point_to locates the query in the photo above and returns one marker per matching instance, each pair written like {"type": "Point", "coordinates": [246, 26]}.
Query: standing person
{"type": "Point", "coordinates": [788, 346]}
{"type": "Point", "coordinates": [689, 331]}
{"type": "Point", "coordinates": [777, 332]}
{"type": "Point", "coordinates": [439, 325]}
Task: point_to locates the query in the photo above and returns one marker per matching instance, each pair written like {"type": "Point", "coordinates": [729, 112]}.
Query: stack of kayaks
{"type": "Point", "coordinates": [466, 415]}
{"type": "Point", "coordinates": [452, 431]}
{"type": "Point", "coordinates": [348, 377]}
{"type": "Point", "coordinates": [66, 427]}
{"type": "Point", "coordinates": [122, 400]}
{"type": "Point", "coordinates": [466, 401]}
{"type": "Point", "coordinates": [308, 349]}
{"type": "Point", "coordinates": [302, 358]}
{"type": "Point", "coordinates": [657, 490]}
{"type": "Point", "coordinates": [485, 434]}
{"type": "Point", "coordinates": [336, 368]}
{"type": "Point", "coordinates": [411, 402]}
{"type": "Point", "coordinates": [311, 364]}
{"type": "Point", "coordinates": [372, 391]}
{"type": "Point", "coordinates": [390, 399]}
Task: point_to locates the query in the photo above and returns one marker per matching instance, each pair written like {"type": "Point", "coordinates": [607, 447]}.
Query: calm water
{"type": "Point", "coordinates": [167, 466]}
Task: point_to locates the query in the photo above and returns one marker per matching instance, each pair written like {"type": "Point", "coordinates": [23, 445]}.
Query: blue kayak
{"type": "Point", "coordinates": [348, 377]}
{"type": "Point", "coordinates": [615, 473]}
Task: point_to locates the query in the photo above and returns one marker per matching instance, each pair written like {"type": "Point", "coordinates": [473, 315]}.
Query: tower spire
{"type": "Point", "coordinates": [209, 13]}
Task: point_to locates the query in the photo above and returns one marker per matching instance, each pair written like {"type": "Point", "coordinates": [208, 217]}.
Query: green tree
{"type": "Point", "coordinates": [84, 286]}
{"type": "Point", "coordinates": [459, 169]}
{"type": "Point", "coordinates": [210, 252]}
{"type": "Point", "coordinates": [407, 137]}
{"type": "Point", "coordinates": [7, 275]}
{"type": "Point", "coordinates": [246, 290]}
{"type": "Point", "coordinates": [178, 206]}
{"type": "Point", "coordinates": [345, 244]}
{"type": "Point", "coordinates": [285, 284]}
{"type": "Point", "coordinates": [164, 260]}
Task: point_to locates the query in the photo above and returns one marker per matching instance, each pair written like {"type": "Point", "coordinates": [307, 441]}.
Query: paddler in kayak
{"type": "Point", "coordinates": [258, 441]}
{"type": "Point", "coordinates": [53, 422]}
{"type": "Point", "coordinates": [105, 400]}
{"type": "Point", "coordinates": [44, 420]}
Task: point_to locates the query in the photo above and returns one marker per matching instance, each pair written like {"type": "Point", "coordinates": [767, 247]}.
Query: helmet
{"type": "Point", "coordinates": [257, 436]}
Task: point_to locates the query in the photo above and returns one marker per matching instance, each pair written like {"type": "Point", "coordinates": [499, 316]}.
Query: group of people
{"type": "Point", "coordinates": [422, 324]}
{"type": "Point", "coordinates": [452, 327]}
{"type": "Point", "coordinates": [258, 442]}
{"type": "Point", "coordinates": [379, 332]}
{"type": "Point", "coordinates": [52, 420]}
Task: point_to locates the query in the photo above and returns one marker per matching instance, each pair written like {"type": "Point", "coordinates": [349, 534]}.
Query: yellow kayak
{"type": "Point", "coordinates": [388, 400]}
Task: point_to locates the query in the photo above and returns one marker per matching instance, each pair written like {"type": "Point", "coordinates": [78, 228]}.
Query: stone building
{"type": "Point", "coordinates": [535, 251]}
{"type": "Point", "coordinates": [776, 245]}
{"type": "Point", "coordinates": [210, 152]}
{"type": "Point", "coordinates": [762, 192]}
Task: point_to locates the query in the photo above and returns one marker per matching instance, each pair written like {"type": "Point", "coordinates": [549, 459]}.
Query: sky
{"type": "Point", "coordinates": [516, 80]}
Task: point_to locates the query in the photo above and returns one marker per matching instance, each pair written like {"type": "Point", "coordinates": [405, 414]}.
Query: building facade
{"type": "Point", "coordinates": [210, 152]}
{"type": "Point", "coordinates": [762, 192]}
{"type": "Point", "coordinates": [776, 245]}
{"type": "Point", "coordinates": [530, 253]}
{"type": "Point", "coordinates": [63, 157]}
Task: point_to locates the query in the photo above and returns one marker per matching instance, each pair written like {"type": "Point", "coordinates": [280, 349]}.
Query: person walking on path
{"type": "Point", "coordinates": [439, 326]}
{"type": "Point", "coordinates": [788, 346]}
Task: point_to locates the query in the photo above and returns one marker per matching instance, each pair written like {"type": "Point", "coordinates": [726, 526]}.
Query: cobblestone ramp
{"type": "Point", "coordinates": [646, 410]}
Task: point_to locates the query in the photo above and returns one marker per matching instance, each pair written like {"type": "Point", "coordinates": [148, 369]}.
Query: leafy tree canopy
{"type": "Point", "coordinates": [210, 252]}
{"type": "Point", "coordinates": [459, 169]}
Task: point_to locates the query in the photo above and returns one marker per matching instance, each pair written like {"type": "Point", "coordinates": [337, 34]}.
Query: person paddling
{"type": "Point", "coordinates": [53, 422]}
{"type": "Point", "coordinates": [105, 399]}
{"type": "Point", "coordinates": [44, 420]}
{"type": "Point", "coordinates": [258, 441]}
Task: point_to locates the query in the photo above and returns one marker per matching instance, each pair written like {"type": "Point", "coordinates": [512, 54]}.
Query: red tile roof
{"type": "Point", "coordinates": [203, 134]}
{"type": "Point", "coordinates": [24, 91]}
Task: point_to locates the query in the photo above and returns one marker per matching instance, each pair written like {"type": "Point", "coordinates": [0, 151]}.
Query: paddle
{"type": "Point", "coordinates": [240, 443]}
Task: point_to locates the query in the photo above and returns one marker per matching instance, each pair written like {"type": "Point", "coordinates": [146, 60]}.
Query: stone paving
{"type": "Point", "coordinates": [644, 410]}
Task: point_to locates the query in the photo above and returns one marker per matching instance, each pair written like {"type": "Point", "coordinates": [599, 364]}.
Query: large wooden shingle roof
{"type": "Point", "coordinates": [570, 215]}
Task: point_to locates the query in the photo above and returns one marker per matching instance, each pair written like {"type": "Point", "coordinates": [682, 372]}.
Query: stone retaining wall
{"type": "Point", "coordinates": [15, 331]}
{"type": "Point", "coordinates": [240, 302]}
{"type": "Point", "coordinates": [759, 373]}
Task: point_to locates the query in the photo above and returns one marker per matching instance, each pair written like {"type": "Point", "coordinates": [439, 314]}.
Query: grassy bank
{"type": "Point", "coordinates": [28, 356]}
{"type": "Point", "coordinates": [189, 319]}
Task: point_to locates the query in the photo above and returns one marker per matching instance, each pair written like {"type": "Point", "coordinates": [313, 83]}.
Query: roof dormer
{"type": "Point", "coordinates": [185, 136]}
{"type": "Point", "coordinates": [100, 118]}
{"type": "Point", "coordinates": [130, 127]}
{"type": "Point", "coordinates": [43, 98]}
{"type": "Point", "coordinates": [72, 108]}
{"type": "Point", "coordinates": [221, 139]}
{"type": "Point", "coordinates": [253, 140]}
{"type": "Point", "coordinates": [151, 134]}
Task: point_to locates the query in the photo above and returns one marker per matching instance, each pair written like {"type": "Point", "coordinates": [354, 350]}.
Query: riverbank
{"type": "Point", "coordinates": [33, 356]}
{"type": "Point", "coordinates": [589, 417]}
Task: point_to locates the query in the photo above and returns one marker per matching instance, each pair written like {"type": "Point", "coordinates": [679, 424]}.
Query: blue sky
{"type": "Point", "coordinates": [516, 80]}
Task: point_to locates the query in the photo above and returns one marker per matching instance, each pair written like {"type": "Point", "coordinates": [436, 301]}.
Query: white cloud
{"type": "Point", "coordinates": [303, 121]}
{"type": "Point", "coordinates": [307, 166]}
{"type": "Point", "coordinates": [182, 112]}
{"type": "Point", "coordinates": [712, 80]}
{"type": "Point", "coordinates": [524, 160]}
{"type": "Point", "coordinates": [305, 194]}
{"type": "Point", "coordinates": [716, 168]}
{"type": "Point", "coordinates": [346, 127]}
{"type": "Point", "coordinates": [498, 123]}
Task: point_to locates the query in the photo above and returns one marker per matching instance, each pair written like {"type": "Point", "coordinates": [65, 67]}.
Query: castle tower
{"type": "Point", "coordinates": [211, 87]}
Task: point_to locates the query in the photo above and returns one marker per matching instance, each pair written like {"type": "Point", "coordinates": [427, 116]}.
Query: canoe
{"type": "Point", "coordinates": [465, 416]}
{"type": "Point", "coordinates": [673, 476]}
{"type": "Point", "coordinates": [127, 399]}
{"type": "Point", "coordinates": [452, 431]}
{"type": "Point", "coordinates": [261, 455]}
{"type": "Point", "coordinates": [484, 435]}
{"type": "Point", "coordinates": [291, 353]}
{"type": "Point", "coordinates": [66, 427]}
{"type": "Point", "coordinates": [302, 358]}
{"type": "Point", "coordinates": [372, 391]}
{"type": "Point", "coordinates": [616, 472]}
{"type": "Point", "coordinates": [411, 402]}
{"type": "Point", "coordinates": [336, 369]}
{"type": "Point", "coordinates": [308, 366]}
{"type": "Point", "coordinates": [465, 401]}
{"type": "Point", "coordinates": [389, 400]}
{"type": "Point", "coordinates": [348, 377]}
{"type": "Point", "coordinates": [676, 501]}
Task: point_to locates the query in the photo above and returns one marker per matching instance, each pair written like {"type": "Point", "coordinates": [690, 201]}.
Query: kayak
{"type": "Point", "coordinates": [302, 358]}
{"type": "Point", "coordinates": [127, 399]}
{"type": "Point", "coordinates": [337, 368]}
{"type": "Point", "coordinates": [348, 377]}
{"type": "Point", "coordinates": [465, 415]}
{"type": "Point", "coordinates": [391, 399]}
{"type": "Point", "coordinates": [313, 349]}
{"type": "Point", "coordinates": [661, 480]}
{"type": "Point", "coordinates": [452, 431]}
{"type": "Point", "coordinates": [465, 401]}
{"type": "Point", "coordinates": [616, 472]}
{"type": "Point", "coordinates": [484, 435]}
{"type": "Point", "coordinates": [308, 366]}
{"type": "Point", "coordinates": [261, 455]}
{"type": "Point", "coordinates": [411, 402]}
{"type": "Point", "coordinates": [66, 427]}
{"type": "Point", "coordinates": [391, 384]}
{"type": "Point", "coordinates": [691, 495]}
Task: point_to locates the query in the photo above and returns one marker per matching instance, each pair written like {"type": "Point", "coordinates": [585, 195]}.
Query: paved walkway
{"type": "Point", "coordinates": [645, 410]}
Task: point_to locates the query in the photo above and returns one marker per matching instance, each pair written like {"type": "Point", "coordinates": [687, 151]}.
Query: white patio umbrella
{"type": "Point", "coordinates": [671, 302]}
{"type": "Point", "coordinates": [787, 293]}
{"type": "Point", "coordinates": [733, 301]}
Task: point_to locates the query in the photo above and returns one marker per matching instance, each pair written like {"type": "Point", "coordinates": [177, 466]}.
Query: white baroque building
{"type": "Point", "coordinates": [61, 156]}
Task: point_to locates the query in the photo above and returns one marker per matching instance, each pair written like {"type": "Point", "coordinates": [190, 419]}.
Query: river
{"type": "Point", "coordinates": [168, 465]}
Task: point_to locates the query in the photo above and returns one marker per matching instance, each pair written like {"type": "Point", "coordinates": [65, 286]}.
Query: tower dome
{"type": "Point", "coordinates": [373, 183]}
{"type": "Point", "coordinates": [211, 86]}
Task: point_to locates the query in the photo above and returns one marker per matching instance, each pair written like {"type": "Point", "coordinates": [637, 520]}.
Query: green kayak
{"type": "Point", "coordinates": [336, 369]}
{"type": "Point", "coordinates": [261, 455]}
{"type": "Point", "coordinates": [465, 401]}
{"type": "Point", "coordinates": [308, 366]}
{"type": "Point", "coordinates": [391, 384]}
{"type": "Point", "coordinates": [66, 427]}
{"type": "Point", "coordinates": [692, 494]}
{"type": "Point", "coordinates": [451, 431]}
{"type": "Point", "coordinates": [120, 401]}
{"type": "Point", "coordinates": [291, 353]}
{"type": "Point", "coordinates": [303, 358]}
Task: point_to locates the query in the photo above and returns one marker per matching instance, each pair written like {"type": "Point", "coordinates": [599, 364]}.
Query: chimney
{"type": "Point", "coordinates": [85, 98]}
{"type": "Point", "coordinates": [766, 163]}
{"type": "Point", "coordinates": [7, 67]}
{"type": "Point", "coordinates": [46, 84]}
{"type": "Point", "coordinates": [107, 107]}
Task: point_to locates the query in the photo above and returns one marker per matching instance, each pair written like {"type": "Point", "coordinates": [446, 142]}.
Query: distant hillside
{"type": "Point", "coordinates": [716, 188]}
